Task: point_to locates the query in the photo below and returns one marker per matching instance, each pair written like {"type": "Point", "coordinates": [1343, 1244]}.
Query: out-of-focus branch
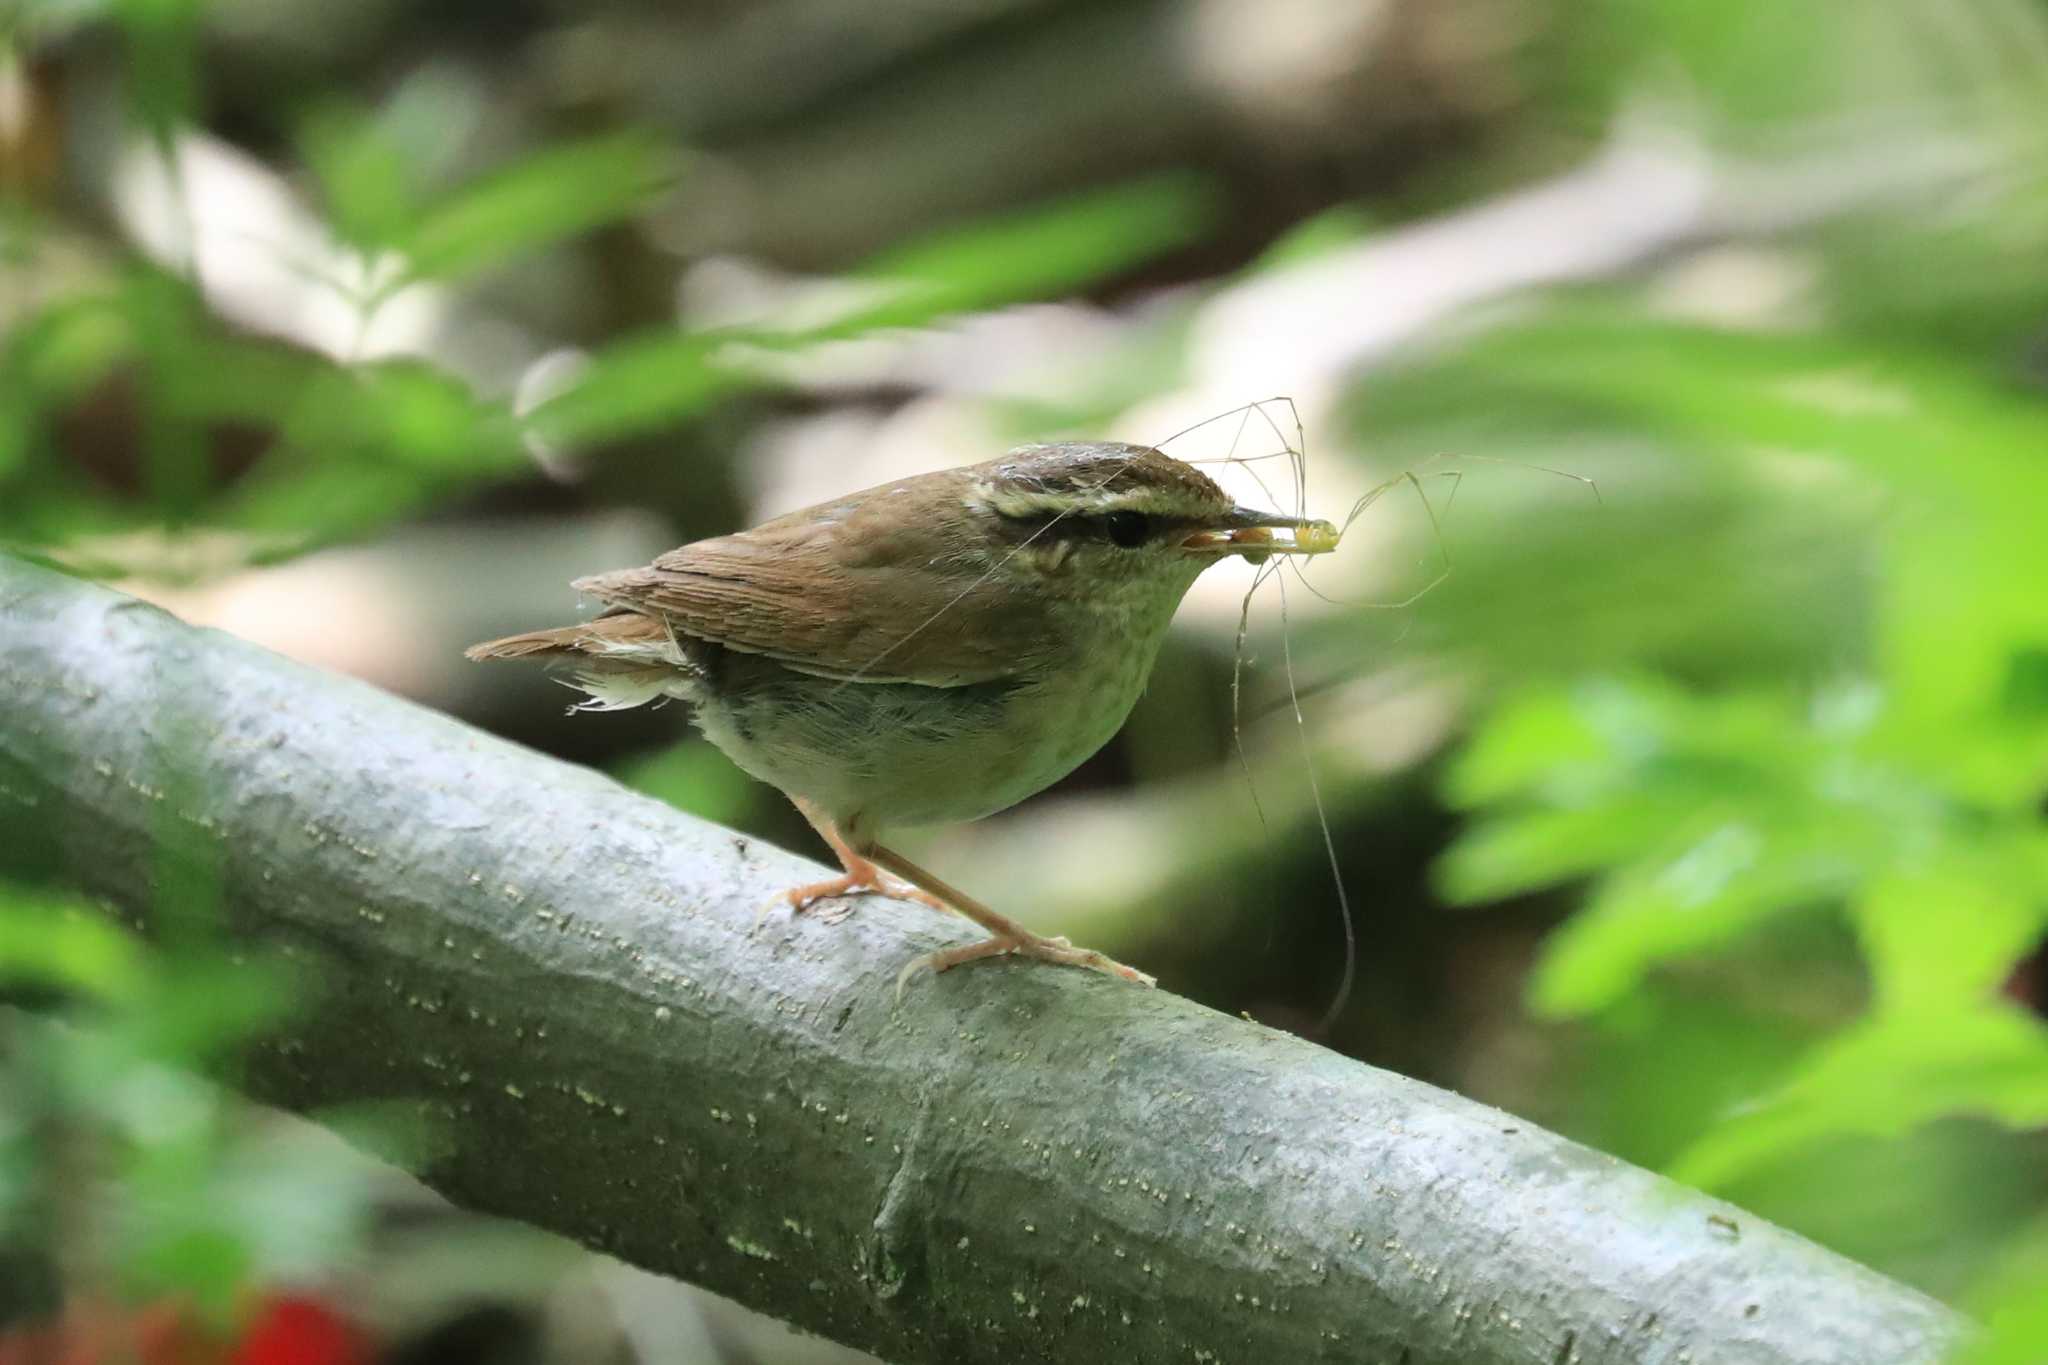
{"type": "Point", "coordinates": [1015, 1163]}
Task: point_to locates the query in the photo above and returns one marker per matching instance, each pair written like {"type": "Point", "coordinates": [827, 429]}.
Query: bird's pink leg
{"type": "Point", "coordinates": [1005, 934]}
{"type": "Point", "coordinates": [861, 878]}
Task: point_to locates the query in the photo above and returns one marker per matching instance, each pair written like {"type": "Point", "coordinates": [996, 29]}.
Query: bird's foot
{"type": "Point", "coordinates": [1030, 945]}
{"type": "Point", "coordinates": [871, 881]}
{"type": "Point", "coordinates": [861, 878]}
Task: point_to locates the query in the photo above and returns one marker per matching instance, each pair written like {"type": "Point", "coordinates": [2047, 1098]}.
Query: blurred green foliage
{"type": "Point", "coordinates": [339, 450]}
{"type": "Point", "coordinates": [1771, 722]}
{"type": "Point", "coordinates": [1842, 724]}
{"type": "Point", "coordinates": [123, 1174]}
{"type": "Point", "coordinates": [2012, 1306]}
{"type": "Point", "coordinates": [1701, 817]}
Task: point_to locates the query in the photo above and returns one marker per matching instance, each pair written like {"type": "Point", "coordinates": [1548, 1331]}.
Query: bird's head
{"type": "Point", "coordinates": [1112, 517]}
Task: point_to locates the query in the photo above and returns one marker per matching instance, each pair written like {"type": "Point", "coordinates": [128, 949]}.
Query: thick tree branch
{"type": "Point", "coordinates": [1016, 1163]}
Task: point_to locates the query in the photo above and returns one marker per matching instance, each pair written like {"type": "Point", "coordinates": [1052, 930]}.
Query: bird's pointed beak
{"type": "Point", "coordinates": [1256, 534]}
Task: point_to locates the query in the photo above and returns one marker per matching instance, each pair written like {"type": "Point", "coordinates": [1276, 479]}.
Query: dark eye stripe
{"type": "Point", "coordinates": [1128, 529]}
{"type": "Point", "coordinates": [1125, 529]}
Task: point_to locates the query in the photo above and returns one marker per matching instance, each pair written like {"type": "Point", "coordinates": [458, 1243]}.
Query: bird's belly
{"type": "Point", "coordinates": [885, 755]}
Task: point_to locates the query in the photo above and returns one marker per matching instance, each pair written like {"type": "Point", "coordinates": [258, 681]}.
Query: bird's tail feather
{"type": "Point", "coordinates": [623, 660]}
{"type": "Point", "coordinates": [533, 644]}
{"type": "Point", "coordinates": [608, 636]}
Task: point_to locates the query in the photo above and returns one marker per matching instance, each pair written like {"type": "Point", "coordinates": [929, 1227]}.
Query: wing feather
{"type": "Point", "coordinates": [836, 591]}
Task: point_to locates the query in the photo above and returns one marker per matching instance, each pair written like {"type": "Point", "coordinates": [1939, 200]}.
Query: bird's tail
{"type": "Point", "coordinates": [623, 635]}
{"type": "Point", "coordinates": [625, 659]}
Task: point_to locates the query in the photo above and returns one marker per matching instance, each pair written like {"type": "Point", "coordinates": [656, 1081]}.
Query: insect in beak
{"type": "Point", "coordinates": [1256, 534]}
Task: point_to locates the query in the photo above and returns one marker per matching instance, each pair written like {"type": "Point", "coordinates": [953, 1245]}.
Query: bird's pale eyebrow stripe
{"type": "Point", "coordinates": [1022, 504]}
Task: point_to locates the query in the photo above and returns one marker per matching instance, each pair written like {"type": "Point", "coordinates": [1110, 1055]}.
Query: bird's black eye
{"type": "Point", "coordinates": [1128, 529]}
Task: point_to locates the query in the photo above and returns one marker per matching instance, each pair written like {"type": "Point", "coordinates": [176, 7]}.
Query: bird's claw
{"type": "Point", "coordinates": [1057, 950]}
{"type": "Point", "coordinates": [911, 969]}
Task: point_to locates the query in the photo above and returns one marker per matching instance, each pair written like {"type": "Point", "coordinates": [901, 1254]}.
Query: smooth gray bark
{"type": "Point", "coordinates": [1016, 1163]}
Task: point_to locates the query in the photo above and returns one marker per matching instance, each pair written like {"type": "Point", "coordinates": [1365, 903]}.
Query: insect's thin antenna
{"type": "Point", "coordinates": [1315, 791]}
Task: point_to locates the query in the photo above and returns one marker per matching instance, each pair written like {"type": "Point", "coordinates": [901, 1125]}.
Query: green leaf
{"type": "Point", "coordinates": [1318, 235]}
{"type": "Point", "coordinates": [1950, 927]}
{"type": "Point", "coordinates": [182, 1255]}
{"type": "Point", "coordinates": [1041, 252]}
{"type": "Point", "coordinates": [2025, 694]}
{"type": "Point", "coordinates": [422, 416]}
{"type": "Point", "coordinates": [17, 431]}
{"type": "Point", "coordinates": [1885, 1076]}
{"type": "Point", "coordinates": [2012, 1303]}
{"type": "Point", "coordinates": [368, 444]}
{"type": "Point", "coordinates": [537, 202]}
{"type": "Point", "coordinates": [66, 947]}
{"type": "Point", "coordinates": [202, 1006]}
{"type": "Point", "coordinates": [639, 383]}
{"type": "Point", "coordinates": [659, 378]}
{"type": "Point", "coordinates": [1521, 744]}
{"type": "Point", "coordinates": [396, 1132]}
{"type": "Point", "coordinates": [1622, 775]}
{"type": "Point", "coordinates": [73, 345]}
{"type": "Point", "coordinates": [1720, 887]}
{"type": "Point", "coordinates": [364, 175]}
{"type": "Point", "coordinates": [1961, 571]}
{"type": "Point", "coordinates": [163, 61]}
{"type": "Point", "coordinates": [1524, 851]}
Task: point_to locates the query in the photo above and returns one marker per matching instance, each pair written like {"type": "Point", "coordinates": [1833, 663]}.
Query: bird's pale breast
{"type": "Point", "coordinates": [878, 756]}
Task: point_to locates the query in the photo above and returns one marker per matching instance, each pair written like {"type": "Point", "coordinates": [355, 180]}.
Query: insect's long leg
{"type": "Point", "coordinates": [1238, 435]}
{"type": "Point", "coordinates": [1219, 417]}
{"type": "Point", "coordinates": [1443, 545]}
{"type": "Point", "coordinates": [1276, 569]}
{"type": "Point", "coordinates": [1298, 448]}
{"type": "Point", "coordinates": [1244, 620]}
{"type": "Point", "coordinates": [1438, 517]}
{"type": "Point", "coordinates": [1292, 451]}
{"type": "Point", "coordinates": [1315, 791]}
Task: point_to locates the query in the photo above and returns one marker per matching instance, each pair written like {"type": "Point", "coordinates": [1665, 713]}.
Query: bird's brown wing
{"type": "Point", "coordinates": [834, 592]}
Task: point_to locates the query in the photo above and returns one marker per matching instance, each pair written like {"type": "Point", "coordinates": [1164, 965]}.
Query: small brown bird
{"type": "Point", "coordinates": [931, 650]}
